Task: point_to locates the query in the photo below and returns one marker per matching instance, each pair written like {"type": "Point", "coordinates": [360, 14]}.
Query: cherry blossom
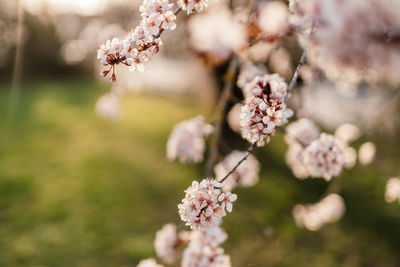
{"type": "Point", "coordinates": [204, 205]}
{"type": "Point", "coordinates": [341, 26]}
{"type": "Point", "coordinates": [303, 131]}
{"type": "Point", "coordinates": [186, 142]}
{"type": "Point", "coordinates": [166, 243]}
{"type": "Point", "coordinates": [204, 251]}
{"type": "Point", "coordinates": [143, 42]}
{"type": "Point", "coordinates": [191, 6]}
{"type": "Point", "coordinates": [273, 20]}
{"type": "Point", "coordinates": [265, 109]}
{"type": "Point", "coordinates": [392, 192]}
{"type": "Point", "coordinates": [324, 157]}
{"type": "Point", "coordinates": [313, 217]}
{"type": "Point", "coordinates": [367, 153]}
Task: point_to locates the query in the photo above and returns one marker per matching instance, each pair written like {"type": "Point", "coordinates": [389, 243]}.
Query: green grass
{"type": "Point", "coordinates": [78, 191]}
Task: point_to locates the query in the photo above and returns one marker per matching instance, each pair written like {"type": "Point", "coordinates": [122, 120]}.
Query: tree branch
{"type": "Point", "coordinates": [220, 113]}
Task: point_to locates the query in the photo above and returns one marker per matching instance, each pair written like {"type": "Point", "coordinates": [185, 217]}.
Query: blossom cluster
{"type": "Point", "coordinates": [265, 108]}
{"type": "Point", "coordinates": [324, 157]}
{"type": "Point", "coordinates": [204, 204]}
{"type": "Point", "coordinates": [204, 251]}
{"type": "Point", "coordinates": [216, 34]}
{"type": "Point", "coordinates": [144, 41]}
{"type": "Point", "coordinates": [186, 141]}
{"type": "Point", "coordinates": [248, 72]}
{"type": "Point", "coordinates": [245, 175]}
{"type": "Point", "coordinates": [392, 192]}
{"type": "Point", "coordinates": [141, 43]}
{"type": "Point", "coordinates": [202, 247]}
{"type": "Point", "coordinates": [167, 242]}
{"type": "Point", "coordinates": [329, 210]}
{"type": "Point", "coordinates": [313, 154]}
{"type": "Point", "coordinates": [340, 28]}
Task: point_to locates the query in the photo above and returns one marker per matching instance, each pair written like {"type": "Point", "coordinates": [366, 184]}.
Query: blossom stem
{"type": "Point", "coordinates": [220, 113]}
{"type": "Point", "coordinates": [249, 151]}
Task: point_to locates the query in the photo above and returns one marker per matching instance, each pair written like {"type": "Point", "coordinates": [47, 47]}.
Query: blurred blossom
{"type": "Point", "coordinates": [280, 62]}
{"type": "Point", "coordinates": [234, 117]}
{"type": "Point", "coordinates": [324, 157]}
{"type": "Point", "coordinates": [108, 106]}
{"type": "Point", "coordinates": [345, 88]}
{"type": "Point", "coordinates": [84, 8]}
{"type": "Point", "coordinates": [74, 52]}
{"type": "Point", "coordinates": [273, 19]}
{"type": "Point", "coordinates": [347, 133]}
{"type": "Point", "coordinates": [350, 157]}
{"type": "Point", "coordinates": [260, 52]}
{"type": "Point", "coordinates": [166, 243]}
{"type": "Point", "coordinates": [216, 33]}
{"type": "Point", "coordinates": [303, 131]}
{"type": "Point", "coordinates": [186, 142]}
{"type": "Point", "coordinates": [245, 175]}
{"type": "Point", "coordinates": [308, 74]}
{"type": "Point", "coordinates": [149, 263]}
{"type": "Point", "coordinates": [367, 153]}
{"type": "Point", "coordinates": [392, 192]}
{"type": "Point", "coordinates": [295, 160]}
{"type": "Point", "coordinates": [354, 39]}
{"type": "Point", "coordinates": [204, 251]}
{"type": "Point", "coordinates": [313, 217]}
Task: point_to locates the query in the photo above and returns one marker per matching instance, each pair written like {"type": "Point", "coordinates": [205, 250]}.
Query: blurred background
{"type": "Point", "coordinates": [78, 189]}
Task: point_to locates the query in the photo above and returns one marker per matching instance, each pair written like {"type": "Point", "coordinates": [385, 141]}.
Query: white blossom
{"type": "Point", "coordinates": [108, 106]}
{"type": "Point", "coordinates": [233, 117]}
{"type": "Point", "coordinates": [265, 109]}
{"type": "Point", "coordinates": [216, 34]}
{"type": "Point", "coordinates": [367, 153]}
{"type": "Point", "coordinates": [204, 251]}
{"type": "Point", "coordinates": [143, 42]}
{"type": "Point", "coordinates": [324, 157]}
{"type": "Point", "coordinates": [313, 217]}
{"type": "Point", "coordinates": [273, 19]}
{"type": "Point", "coordinates": [295, 159]}
{"type": "Point", "coordinates": [303, 131]}
{"type": "Point", "coordinates": [166, 243]}
{"type": "Point", "coordinates": [186, 141]}
{"type": "Point", "coordinates": [191, 6]}
{"type": "Point", "coordinates": [355, 39]}
{"type": "Point", "coordinates": [204, 204]}
{"type": "Point", "coordinates": [245, 175]}
{"type": "Point", "coordinates": [347, 133]}
{"type": "Point", "coordinates": [149, 263]}
{"type": "Point", "coordinates": [392, 192]}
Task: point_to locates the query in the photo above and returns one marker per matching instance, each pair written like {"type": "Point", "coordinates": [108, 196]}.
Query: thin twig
{"type": "Point", "coordinates": [249, 151]}
{"type": "Point", "coordinates": [297, 72]}
{"type": "Point", "coordinates": [220, 113]}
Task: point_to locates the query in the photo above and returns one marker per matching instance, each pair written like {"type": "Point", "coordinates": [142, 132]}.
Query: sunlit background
{"type": "Point", "coordinates": [79, 189]}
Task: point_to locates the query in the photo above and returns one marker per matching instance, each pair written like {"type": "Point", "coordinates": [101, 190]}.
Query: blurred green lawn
{"type": "Point", "coordinates": [78, 191]}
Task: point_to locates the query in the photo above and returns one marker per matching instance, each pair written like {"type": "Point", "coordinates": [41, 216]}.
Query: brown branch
{"type": "Point", "coordinates": [220, 113]}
